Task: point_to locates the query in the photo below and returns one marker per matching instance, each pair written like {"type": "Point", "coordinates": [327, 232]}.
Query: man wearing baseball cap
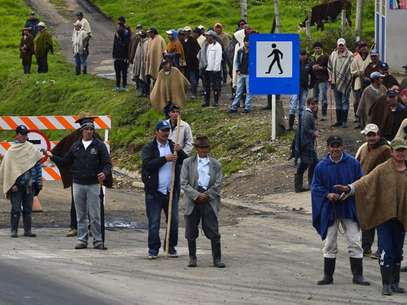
{"type": "Point", "coordinates": [370, 154]}
{"type": "Point", "coordinates": [330, 210]}
{"type": "Point", "coordinates": [20, 178]}
{"type": "Point", "coordinates": [340, 79]}
{"type": "Point", "coordinates": [90, 165]}
{"type": "Point", "coordinates": [369, 97]}
{"type": "Point", "coordinates": [388, 79]}
{"type": "Point", "coordinates": [381, 201]}
{"type": "Point", "coordinates": [158, 159]}
{"type": "Point", "coordinates": [191, 50]}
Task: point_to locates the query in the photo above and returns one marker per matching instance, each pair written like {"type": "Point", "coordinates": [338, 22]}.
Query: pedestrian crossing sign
{"type": "Point", "coordinates": [274, 64]}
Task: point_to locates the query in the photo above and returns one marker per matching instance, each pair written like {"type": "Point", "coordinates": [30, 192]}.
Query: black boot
{"type": "Point", "coordinates": [338, 118]}
{"type": "Point", "coordinates": [387, 276]}
{"type": "Point", "coordinates": [27, 226]}
{"type": "Point", "coordinates": [396, 280]}
{"type": "Point", "coordinates": [291, 120]}
{"type": "Point", "coordinates": [77, 70]}
{"type": "Point", "coordinates": [298, 183]}
{"type": "Point", "coordinates": [206, 100]}
{"type": "Point", "coordinates": [216, 99]}
{"type": "Point", "coordinates": [356, 266]}
{"type": "Point", "coordinates": [192, 253]}
{"type": "Point", "coordinates": [85, 70]}
{"type": "Point", "coordinates": [329, 269]}
{"type": "Point", "coordinates": [216, 253]}
{"type": "Point", "coordinates": [14, 219]}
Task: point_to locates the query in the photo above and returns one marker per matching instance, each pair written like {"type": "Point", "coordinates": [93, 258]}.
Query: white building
{"type": "Point", "coordinates": [390, 32]}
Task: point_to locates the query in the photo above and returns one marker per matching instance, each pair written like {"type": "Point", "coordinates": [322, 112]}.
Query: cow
{"type": "Point", "coordinates": [328, 12]}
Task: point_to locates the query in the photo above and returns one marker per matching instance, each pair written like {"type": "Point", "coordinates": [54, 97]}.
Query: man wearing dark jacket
{"type": "Point", "coordinates": [90, 165]}
{"type": "Point", "coordinates": [191, 50]}
{"type": "Point", "coordinates": [158, 159]}
{"type": "Point", "coordinates": [305, 143]}
{"type": "Point", "coordinates": [121, 44]}
{"type": "Point", "coordinates": [32, 22]}
{"type": "Point", "coordinates": [320, 77]}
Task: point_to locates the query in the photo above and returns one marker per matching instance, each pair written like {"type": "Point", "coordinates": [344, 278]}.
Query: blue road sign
{"type": "Point", "coordinates": [274, 64]}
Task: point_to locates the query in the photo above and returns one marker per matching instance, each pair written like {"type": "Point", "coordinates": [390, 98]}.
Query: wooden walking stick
{"type": "Point", "coordinates": [330, 105]}
{"type": "Point", "coordinates": [172, 182]}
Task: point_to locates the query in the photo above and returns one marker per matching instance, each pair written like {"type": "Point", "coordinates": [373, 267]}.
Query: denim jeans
{"type": "Point", "coordinates": [21, 201]}
{"type": "Point", "coordinates": [120, 67]}
{"type": "Point", "coordinates": [390, 237]}
{"type": "Point", "coordinates": [320, 93]}
{"type": "Point", "coordinates": [296, 102]}
{"type": "Point", "coordinates": [87, 205]}
{"type": "Point", "coordinates": [242, 84]}
{"type": "Point", "coordinates": [155, 203]}
{"type": "Point", "coordinates": [342, 104]}
{"type": "Point", "coordinates": [80, 61]}
{"type": "Point", "coordinates": [192, 76]}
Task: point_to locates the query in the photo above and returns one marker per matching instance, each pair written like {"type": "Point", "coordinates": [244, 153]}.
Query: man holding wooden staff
{"type": "Point", "coordinates": [161, 163]}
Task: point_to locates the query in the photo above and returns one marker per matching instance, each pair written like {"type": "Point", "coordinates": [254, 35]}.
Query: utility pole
{"type": "Point", "coordinates": [277, 17]}
{"type": "Point", "coordinates": [359, 18]}
{"type": "Point", "coordinates": [243, 10]}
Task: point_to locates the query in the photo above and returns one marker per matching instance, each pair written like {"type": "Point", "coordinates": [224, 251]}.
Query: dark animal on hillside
{"type": "Point", "coordinates": [329, 12]}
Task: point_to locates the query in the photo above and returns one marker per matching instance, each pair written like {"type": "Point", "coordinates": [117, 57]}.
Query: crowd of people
{"type": "Point", "coordinates": [361, 194]}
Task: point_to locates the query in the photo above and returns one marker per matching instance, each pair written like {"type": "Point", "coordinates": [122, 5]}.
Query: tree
{"type": "Point", "coordinates": [359, 18]}
{"type": "Point", "coordinates": [243, 9]}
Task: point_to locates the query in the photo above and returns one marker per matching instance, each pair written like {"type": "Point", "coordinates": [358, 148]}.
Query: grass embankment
{"type": "Point", "coordinates": [176, 14]}
{"type": "Point", "coordinates": [61, 92]}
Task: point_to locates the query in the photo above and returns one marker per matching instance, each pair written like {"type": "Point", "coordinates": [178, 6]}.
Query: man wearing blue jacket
{"type": "Point", "coordinates": [330, 210]}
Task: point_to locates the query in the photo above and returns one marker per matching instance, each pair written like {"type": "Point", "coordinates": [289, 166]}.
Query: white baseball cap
{"type": "Point", "coordinates": [376, 75]}
{"type": "Point", "coordinates": [341, 41]}
{"type": "Point", "coordinates": [370, 128]}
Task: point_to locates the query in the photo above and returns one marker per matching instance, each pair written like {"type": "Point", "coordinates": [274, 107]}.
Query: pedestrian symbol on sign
{"type": "Point", "coordinates": [275, 54]}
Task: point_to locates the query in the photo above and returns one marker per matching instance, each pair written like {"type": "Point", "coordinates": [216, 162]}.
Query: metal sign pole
{"type": "Point", "coordinates": [273, 117]}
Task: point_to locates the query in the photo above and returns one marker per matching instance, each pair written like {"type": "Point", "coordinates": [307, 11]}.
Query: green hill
{"type": "Point", "coordinates": [176, 14]}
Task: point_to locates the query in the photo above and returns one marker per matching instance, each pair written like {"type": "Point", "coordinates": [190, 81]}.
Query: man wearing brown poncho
{"type": "Point", "coordinates": [170, 87]}
{"type": "Point", "coordinates": [154, 55]}
{"type": "Point", "coordinates": [381, 201]}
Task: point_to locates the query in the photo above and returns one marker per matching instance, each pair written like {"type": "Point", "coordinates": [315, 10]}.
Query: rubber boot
{"type": "Point", "coordinates": [216, 253]}
{"type": "Point", "coordinates": [291, 120]}
{"type": "Point", "coordinates": [77, 70]}
{"type": "Point", "coordinates": [338, 118]}
{"type": "Point", "coordinates": [14, 219]}
{"type": "Point", "coordinates": [27, 226]}
{"type": "Point", "coordinates": [387, 275]}
{"type": "Point", "coordinates": [329, 269]}
{"type": "Point", "coordinates": [356, 266]}
{"type": "Point", "coordinates": [192, 253]}
{"type": "Point", "coordinates": [85, 70]}
{"type": "Point", "coordinates": [298, 184]}
{"type": "Point", "coordinates": [396, 280]}
{"type": "Point", "coordinates": [206, 100]}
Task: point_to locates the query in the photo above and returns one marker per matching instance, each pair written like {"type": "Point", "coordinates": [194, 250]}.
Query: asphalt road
{"type": "Point", "coordinates": [21, 284]}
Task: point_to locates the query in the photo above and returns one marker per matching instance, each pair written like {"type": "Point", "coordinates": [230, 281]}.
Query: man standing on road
{"type": "Point", "coordinates": [372, 153]}
{"type": "Point", "coordinates": [42, 45]}
{"type": "Point", "coordinates": [191, 50]}
{"type": "Point", "coordinates": [381, 198]}
{"type": "Point", "coordinates": [79, 42]}
{"type": "Point", "coordinates": [340, 79]}
{"type": "Point", "coordinates": [213, 70]}
{"type": "Point", "coordinates": [85, 23]}
{"type": "Point", "coordinates": [90, 165]}
{"type": "Point", "coordinates": [158, 158]}
{"type": "Point", "coordinates": [242, 65]}
{"type": "Point", "coordinates": [185, 132]}
{"type": "Point", "coordinates": [32, 22]}
{"type": "Point", "coordinates": [20, 175]}
{"type": "Point", "coordinates": [201, 181]}
{"type": "Point", "coordinates": [320, 77]}
{"type": "Point", "coordinates": [369, 96]}
{"type": "Point", "coordinates": [121, 55]}
{"type": "Point", "coordinates": [305, 143]}
{"type": "Point", "coordinates": [153, 56]}
{"type": "Point", "coordinates": [330, 211]}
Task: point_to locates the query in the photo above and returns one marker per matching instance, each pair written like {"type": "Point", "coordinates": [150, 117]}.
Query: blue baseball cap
{"type": "Point", "coordinates": [384, 66]}
{"type": "Point", "coordinates": [22, 129]}
{"type": "Point", "coordinates": [162, 125]}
